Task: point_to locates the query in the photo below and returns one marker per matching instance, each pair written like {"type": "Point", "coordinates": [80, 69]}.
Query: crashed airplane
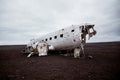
{"type": "Point", "coordinates": [73, 37]}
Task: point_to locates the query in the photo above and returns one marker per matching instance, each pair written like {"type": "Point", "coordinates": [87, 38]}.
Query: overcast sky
{"type": "Point", "coordinates": [22, 20]}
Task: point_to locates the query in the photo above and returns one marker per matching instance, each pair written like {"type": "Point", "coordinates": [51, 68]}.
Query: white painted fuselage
{"type": "Point", "coordinates": [66, 38]}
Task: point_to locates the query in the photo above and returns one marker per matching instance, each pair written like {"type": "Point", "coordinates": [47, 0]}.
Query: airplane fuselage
{"type": "Point", "coordinates": [66, 38]}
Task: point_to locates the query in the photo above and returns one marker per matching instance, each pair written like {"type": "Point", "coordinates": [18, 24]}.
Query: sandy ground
{"type": "Point", "coordinates": [105, 64]}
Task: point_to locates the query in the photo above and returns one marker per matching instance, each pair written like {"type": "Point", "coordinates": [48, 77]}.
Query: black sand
{"type": "Point", "coordinates": [105, 64]}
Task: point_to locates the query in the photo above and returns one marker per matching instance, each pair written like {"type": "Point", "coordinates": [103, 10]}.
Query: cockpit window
{"type": "Point", "coordinates": [91, 30]}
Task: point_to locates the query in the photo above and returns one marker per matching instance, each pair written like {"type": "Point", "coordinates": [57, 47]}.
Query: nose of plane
{"type": "Point", "coordinates": [94, 31]}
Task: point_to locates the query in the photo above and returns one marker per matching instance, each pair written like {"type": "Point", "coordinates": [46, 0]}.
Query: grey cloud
{"type": "Point", "coordinates": [21, 20]}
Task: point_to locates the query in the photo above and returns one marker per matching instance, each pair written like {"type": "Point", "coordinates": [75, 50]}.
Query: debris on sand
{"type": "Point", "coordinates": [90, 57]}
